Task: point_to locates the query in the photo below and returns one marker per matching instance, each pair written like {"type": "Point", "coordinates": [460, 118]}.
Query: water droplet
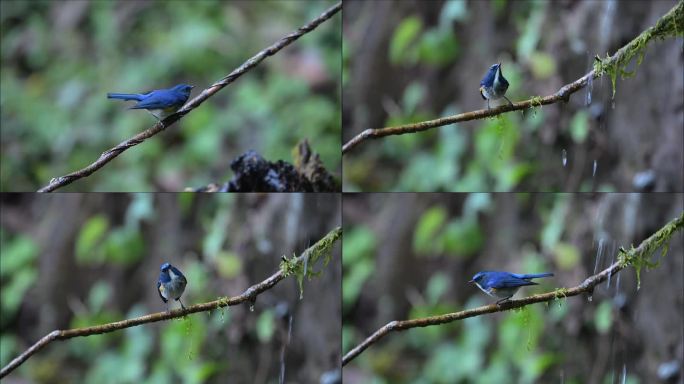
{"type": "Point", "coordinates": [251, 307]}
{"type": "Point", "coordinates": [564, 156]}
{"type": "Point", "coordinates": [612, 104]}
{"type": "Point", "coordinates": [593, 173]}
{"type": "Point", "coordinates": [590, 298]}
{"type": "Point", "coordinates": [590, 86]}
{"type": "Point", "coordinates": [598, 254]}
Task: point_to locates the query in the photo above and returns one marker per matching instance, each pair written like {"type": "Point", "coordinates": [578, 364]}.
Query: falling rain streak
{"type": "Point", "coordinates": [599, 253]}
{"type": "Point", "coordinates": [564, 156]}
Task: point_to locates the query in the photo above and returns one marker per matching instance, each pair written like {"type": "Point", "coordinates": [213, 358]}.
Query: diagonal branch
{"type": "Point", "coordinates": [668, 25]}
{"type": "Point", "coordinates": [110, 154]}
{"type": "Point", "coordinates": [634, 257]}
{"type": "Point", "coordinates": [249, 295]}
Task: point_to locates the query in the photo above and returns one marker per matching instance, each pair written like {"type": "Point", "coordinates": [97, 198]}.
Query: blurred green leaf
{"type": "Point", "coordinates": [13, 292]}
{"type": "Point", "coordinates": [567, 256]}
{"type": "Point", "coordinates": [413, 95]}
{"type": "Point", "coordinates": [440, 368]}
{"type": "Point", "coordinates": [358, 242]}
{"type": "Point", "coordinates": [359, 246]}
{"type": "Point", "coordinates": [454, 10]}
{"type": "Point", "coordinates": [437, 285]}
{"type": "Point", "coordinates": [427, 228]}
{"type": "Point", "coordinates": [476, 203]}
{"type": "Point", "coordinates": [265, 326]}
{"type": "Point", "coordinates": [555, 223]}
{"type": "Point", "coordinates": [8, 345]}
{"type": "Point", "coordinates": [91, 234]}
{"type": "Point", "coordinates": [18, 253]}
{"type": "Point", "coordinates": [528, 40]}
{"type": "Point", "coordinates": [140, 208]}
{"type": "Point", "coordinates": [603, 317]}
{"type": "Point", "coordinates": [406, 33]}
{"type": "Point", "coordinates": [462, 238]}
{"type": "Point", "coordinates": [543, 65]}
{"type": "Point", "coordinates": [438, 47]}
{"type": "Point", "coordinates": [229, 264]}
{"type": "Point", "coordinates": [579, 126]}
{"type": "Point", "coordinates": [99, 294]}
{"type": "Point", "coordinates": [354, 281]}
{"type": "Point", "coordinates": [124, 246]}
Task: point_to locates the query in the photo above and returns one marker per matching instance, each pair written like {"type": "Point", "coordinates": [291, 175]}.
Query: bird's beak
{"type": "Point", "coordinates": [499, 64]}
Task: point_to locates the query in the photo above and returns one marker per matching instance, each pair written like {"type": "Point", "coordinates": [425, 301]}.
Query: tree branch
{"type": "Point", "coordinates": [110, 154]}
{"type": "Point", "coordinates": [668, 25]}
{"type": "Point", "coordinates": [249, 295]}
{"type": "Point", "coordinates": [636, 257]}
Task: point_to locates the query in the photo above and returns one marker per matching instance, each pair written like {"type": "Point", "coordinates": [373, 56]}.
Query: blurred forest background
{"type": "Point", "coordinates": [411, 255]}
{"type": "Point", "coordinates": [60, 58]}
{"type": "Point", "coordinates": [410, 61]}
{"type": "Point", "coordinates": [74, 260]}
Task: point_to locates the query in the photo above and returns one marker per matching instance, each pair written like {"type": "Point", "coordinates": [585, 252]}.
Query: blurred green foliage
{"type": "Point", "coordinates": [493, 154]}
{"type": "Point", "coordinates": [359, 245]}
{"type": "Point", "coordinates": [514, 346]}
{"type": "Point", "coordinates": [18, 274]}
{"type": "Point", "coordinates": [173, 351]}
{"type": "Point", "coordinates": [459, 237]}
{"type": "Point", "coordinates": [59, 59]}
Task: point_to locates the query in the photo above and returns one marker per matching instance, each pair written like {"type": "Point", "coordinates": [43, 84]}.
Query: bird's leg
{"type": "Point", "coordinates": [498, 303]}
{"type": "Point", "coordinates": [509, 102]}
{"type": "Point", "coordinates": [181, 303]}
{"type": "Point", "coordinates": [488, 105]}
{"type": "Point", "coordinates": [152, 113]}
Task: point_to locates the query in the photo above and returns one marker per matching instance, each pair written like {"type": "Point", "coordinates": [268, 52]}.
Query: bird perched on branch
{"type": "Point", "coordinates": [494, 85]}
{"type": "Point", "coordinates": [161, 103]}
{"type": "Point", "coordinates": [171, 284]}
{"type": "Point", "coordinates": [503, 284]}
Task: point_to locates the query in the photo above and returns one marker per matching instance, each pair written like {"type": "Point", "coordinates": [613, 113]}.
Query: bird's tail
{"type": "Point", "coordinates": [535, 275]}
{"type": "Point", "coordinates": [125, 96]}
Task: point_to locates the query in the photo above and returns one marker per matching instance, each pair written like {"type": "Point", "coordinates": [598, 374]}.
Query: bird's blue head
{"type": "Point", "coordinates": [183, 88]}
{"type": "Point", "coordinates": [165, 267]}
{"type": "Point", "coordinates": [488, 79]}
{"type": "Point", "coordinates": [478, 277]}
{"type": "Point", "coordinates": [494, 78]}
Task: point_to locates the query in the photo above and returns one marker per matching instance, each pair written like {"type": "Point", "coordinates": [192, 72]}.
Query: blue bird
{"type": "Point", "coordinates": [503, 284]}
{"type": "Point", "coordinates": [160, 103]}
{"type": "Point", "coordinates": [171, 284]}
{"type": "Point", "coordinates": [494, 85]}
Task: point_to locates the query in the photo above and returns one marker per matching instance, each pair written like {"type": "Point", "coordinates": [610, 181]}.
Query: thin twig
{"type": "Point", "coordinates": [562, 94]}
{"type": "Point", "coordinates": [249, 296]}
{"type": "Point", "coordinates": [644, 249]}
{"type": "Point", "coordinates": [110, 154]}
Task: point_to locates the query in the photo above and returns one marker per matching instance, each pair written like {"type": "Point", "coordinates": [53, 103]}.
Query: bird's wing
{"type": "Point", "coordinates": [160, 288]}
{"type": "Point", "coordinates": [534, 275]}
{"type": "Point", "coordinates": [161, 99]}
{"type": "Point", "coordinates": [179, 274]}
{"type": "Point", "coordinates": [511, 282]}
